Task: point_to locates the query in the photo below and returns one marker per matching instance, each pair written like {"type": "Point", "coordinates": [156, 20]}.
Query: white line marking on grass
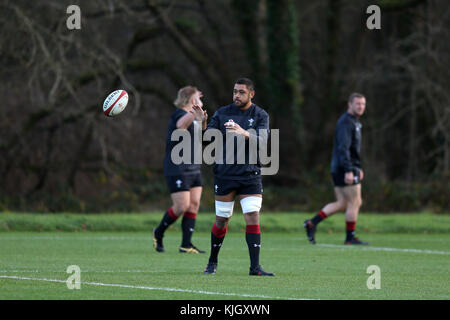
{"type": "Point", "coordinates": [123, 271]}
{"type": "Point", "coordinates": [75, 238]}
{"type": "Point", "coordinates": [156, 288]}
{"type": "Point", "coordinates": [21, 271]}
{"type": "Point", "coordinates": [84, 271]}
{"type": "Point", "coordinates": [384, 249]}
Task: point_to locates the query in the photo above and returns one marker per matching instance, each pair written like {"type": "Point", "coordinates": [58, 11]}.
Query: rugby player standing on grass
{"type": "Point", "coordinates": [184, 180]}
{"type": "Point", "coordinates": [241, 181]}
{"type": "Point", "coordinates": [346, 172]}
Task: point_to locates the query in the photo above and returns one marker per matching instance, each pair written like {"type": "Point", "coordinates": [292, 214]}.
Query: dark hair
{"type": "Point", "coordinates": [355, 95]}
{"type": "Point", "coordinates": [247, 82]}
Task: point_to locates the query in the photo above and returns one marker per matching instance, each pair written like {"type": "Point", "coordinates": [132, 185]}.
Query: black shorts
{"type": "Point", "coordinates": [249, 186]}
{"type": "Point", "coordinates": [184, 182]}
{"type": "Point", "coordinates": [339, 178]}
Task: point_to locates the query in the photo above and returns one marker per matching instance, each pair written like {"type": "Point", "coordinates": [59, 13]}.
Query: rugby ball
{"type": "Point", "coordinates": [115, 103]}
{"type": "Point", "coordinates": [229, 124]}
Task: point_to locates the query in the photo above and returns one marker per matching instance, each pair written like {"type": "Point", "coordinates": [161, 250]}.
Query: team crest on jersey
{"type": "Point", "coordinates": [250, 122]}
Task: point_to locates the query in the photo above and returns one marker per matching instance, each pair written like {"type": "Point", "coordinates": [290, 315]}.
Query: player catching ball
{"type": "Point", "coordinates": [238, 180]}
{"type": "Point", "coordinates": [184, 180]}
{"type": "Point", "coordinates": [346, 171]}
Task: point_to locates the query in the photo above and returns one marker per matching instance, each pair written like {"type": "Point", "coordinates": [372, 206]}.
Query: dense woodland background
{"type": "Point", "coordinates": [60, 153]}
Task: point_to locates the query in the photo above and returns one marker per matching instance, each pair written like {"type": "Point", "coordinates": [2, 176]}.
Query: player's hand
{"type": "Point", "coordinates": [205, 115]}
{"type": "Point", "coordinates": [349, 178]}
{"type": "Point", "coordinates": [198, 113]}
{"type": "Point", "coordinates": [233, 127]}
{"type": "Point", "coordinates": [361, 175]}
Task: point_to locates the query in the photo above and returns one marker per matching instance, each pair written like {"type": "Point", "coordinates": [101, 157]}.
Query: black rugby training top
{"type": "Point", "coordinates": [347, 145]}
{"type": "Point", "coordinates": [171, 169]}
{"type": "Point", "coordinates": [252, 118]}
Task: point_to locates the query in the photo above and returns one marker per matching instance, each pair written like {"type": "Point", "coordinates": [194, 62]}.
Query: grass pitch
{"type": "Point", "coordinates": [124, 265]}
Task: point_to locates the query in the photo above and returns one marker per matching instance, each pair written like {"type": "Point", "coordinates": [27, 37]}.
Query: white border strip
{"type": "Point", "coordinates": [155, 288]}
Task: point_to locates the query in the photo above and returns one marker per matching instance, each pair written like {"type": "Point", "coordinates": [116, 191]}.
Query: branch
{"type": "Point", "coordinates": [196, 55]}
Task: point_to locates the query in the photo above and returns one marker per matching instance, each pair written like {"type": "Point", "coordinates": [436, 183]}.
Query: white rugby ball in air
{"type": "Point", "coordinates": [115, 103]}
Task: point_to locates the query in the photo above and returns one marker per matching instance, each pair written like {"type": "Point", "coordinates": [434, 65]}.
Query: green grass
{"type": "Point", "coordinates": [270, 222]}
{"type": "Point", "coordinates": [415, 266]}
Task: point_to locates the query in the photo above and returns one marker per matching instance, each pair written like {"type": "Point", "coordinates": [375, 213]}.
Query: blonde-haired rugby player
{"type": "Point", "coordinates": [184, 180]}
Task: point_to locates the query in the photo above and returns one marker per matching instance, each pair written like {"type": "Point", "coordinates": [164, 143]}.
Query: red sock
{"type": "Point", "coordinates": [318, 218]}
{"type": "Point", "coordinates": [253, 239]}
{"type": "Point", "coordinates": [190, 215]}
{"type": "Point", "coordinates": [253, 228]}
{"type": "Point", "coordinates": [168, 218]}
{"type": "Point", "coordinates": [217, 237]}
{"type": "Point", "coordinates": [219, 233]}
{"type": "Point", "coordinates": [172, 214]}
{"type": "Point", "coordinates": [322, 214]}
{"type": "Point", "coordinates": [187, 226]}
{"type": "Point", "coordinates": [350, 225]}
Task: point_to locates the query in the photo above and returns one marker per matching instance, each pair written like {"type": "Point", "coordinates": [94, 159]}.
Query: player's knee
{"type": "Point", "coordinates": [360, 202]}
{"type": "Point", "coordinates": [355, 204]}
{"type": "Point", "coordinates": [251, 204]}
{"type": "Point", "coordinates": [180, 207]}
{"type": "Point", "coordinates": [342, 205]}
{"type": "Point", "coordinates": [224, 209]}
{"type": "Point", "coordinates": [252, 218]}
{"type": "Point", "coordinates": [194, 205]}
{"type": "Point", "coordinates": [221, 222]}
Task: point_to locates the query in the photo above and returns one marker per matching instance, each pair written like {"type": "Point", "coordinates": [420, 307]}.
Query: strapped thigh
{"type": "Point", "coordinates": [224, 209]}
{"type": "Point", "coordinates": [251, 204]}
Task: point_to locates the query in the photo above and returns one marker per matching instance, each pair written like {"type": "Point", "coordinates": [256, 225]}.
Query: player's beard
{"type": "Point", "coordinates": [240, 103]}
